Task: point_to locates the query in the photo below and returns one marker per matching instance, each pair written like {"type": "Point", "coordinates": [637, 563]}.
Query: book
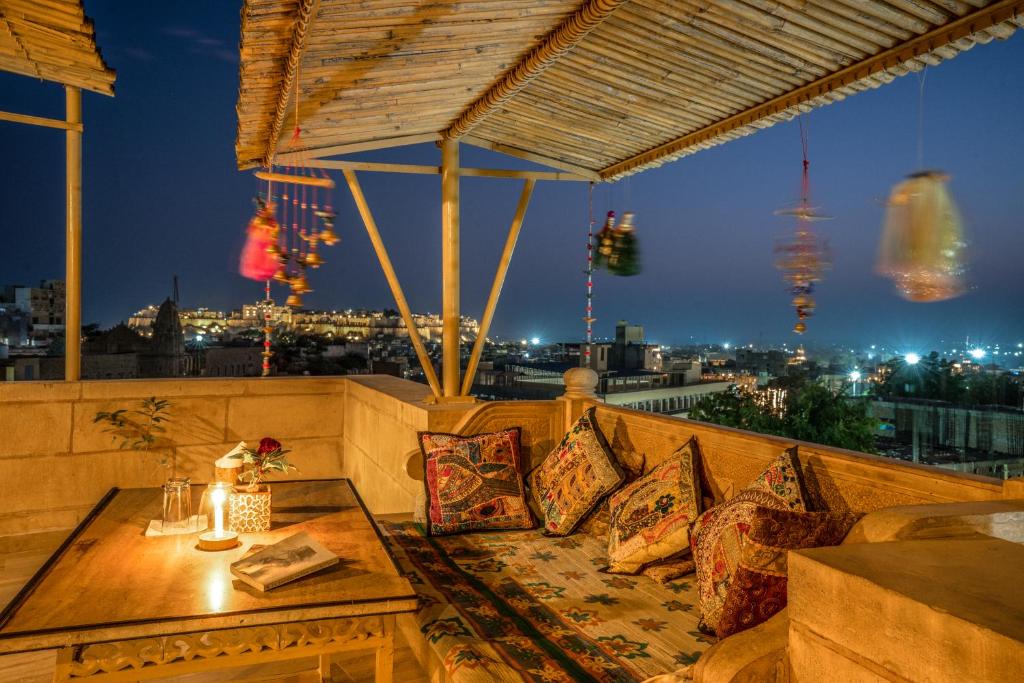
{"type": "Point", "coordinates": [284, 561]}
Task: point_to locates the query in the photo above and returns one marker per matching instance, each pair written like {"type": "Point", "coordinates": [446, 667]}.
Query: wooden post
{"type": "Point", "coordinates": [73, 247]}
{"type": "Point", "coordinates": [392, 278]}
{"type": "Point", "coordinates": [451, 315]}
{"type": "Point", "coordinates": [499, 282]}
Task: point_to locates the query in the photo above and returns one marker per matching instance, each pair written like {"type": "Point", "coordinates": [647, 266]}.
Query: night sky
{"type": "Point", "coordinates": [162, 196]}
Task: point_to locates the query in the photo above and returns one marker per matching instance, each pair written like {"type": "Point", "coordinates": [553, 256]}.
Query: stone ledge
{"type": "Point", "coordinates": [879, 606]}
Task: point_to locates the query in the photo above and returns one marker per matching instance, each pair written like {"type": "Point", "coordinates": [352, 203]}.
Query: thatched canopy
{"type": "Point", "coordinates": [52, 40]}
{"type": "Point", "coordinates": [603, 87]}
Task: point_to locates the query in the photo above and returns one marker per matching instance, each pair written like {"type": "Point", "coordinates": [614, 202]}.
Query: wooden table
{"type": "Point", "coordinates": [120, 606]}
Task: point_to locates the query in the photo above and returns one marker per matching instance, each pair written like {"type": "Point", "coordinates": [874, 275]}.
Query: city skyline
{"type": "Point", "coordinates": [174, 203]}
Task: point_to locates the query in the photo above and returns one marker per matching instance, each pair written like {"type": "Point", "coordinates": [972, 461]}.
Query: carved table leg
{"type": "Point", "coordinates": [325, 668]}
{"type": "Point", "coordinates": [386, 652]}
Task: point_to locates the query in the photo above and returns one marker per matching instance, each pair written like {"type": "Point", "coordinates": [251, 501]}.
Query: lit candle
{"type": "Point", "coordinates": [217, 497]}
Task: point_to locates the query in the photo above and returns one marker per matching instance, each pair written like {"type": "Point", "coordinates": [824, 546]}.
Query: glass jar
{"type": "Point", "coordinates": [177, 513]}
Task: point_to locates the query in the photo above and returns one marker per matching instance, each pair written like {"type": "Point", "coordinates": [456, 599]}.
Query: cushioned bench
{"type": "Point", "coordinates": [517, 605]}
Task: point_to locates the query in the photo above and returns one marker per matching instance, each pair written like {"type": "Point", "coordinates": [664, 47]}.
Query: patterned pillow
{"type": "Point", "coordinates": [758, 588]}
{"type": "Point", "coordinates": [574, 477]}
{"type": "Point", "coordinates": [664, 571]}
{"type": "Point", "coordinates": [474, 482]}
{"type": "Point", "coordinates": [718, 533]}
{"type": "Point", "coordinates": [651, 517]}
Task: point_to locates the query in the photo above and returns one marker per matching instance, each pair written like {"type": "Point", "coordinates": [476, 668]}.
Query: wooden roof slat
{"type": "Point", "coordinates": [53, 40]}
{"type": "Point", "coordinates": [596, 86]}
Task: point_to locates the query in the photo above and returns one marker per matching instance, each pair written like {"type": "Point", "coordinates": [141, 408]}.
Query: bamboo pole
{"type": "Point", "coordinates": [392, 278]}
{"type": "Point", "coordinates": [39, 121]}
{"type": "Point", "coordinates": [73, 247]}
{"type": "Point", "coordinates": [417, 169]}
{"type": "Point", "coordinates": [451, 316]}
{"type": "Point", "coordinates": [499, 282]}
{"type": "Point", "coordinates": [295, 179]}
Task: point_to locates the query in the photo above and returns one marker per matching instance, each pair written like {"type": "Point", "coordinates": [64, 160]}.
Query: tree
{"type": "Point", "coordinates": [811, 413]}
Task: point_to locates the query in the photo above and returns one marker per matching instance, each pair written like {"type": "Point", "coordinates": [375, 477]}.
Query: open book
{"type": "Point", "coordinates": [287, 560]}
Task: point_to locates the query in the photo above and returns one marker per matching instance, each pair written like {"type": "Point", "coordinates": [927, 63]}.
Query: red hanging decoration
{"type": "Point", "coordinates": [259, 256]}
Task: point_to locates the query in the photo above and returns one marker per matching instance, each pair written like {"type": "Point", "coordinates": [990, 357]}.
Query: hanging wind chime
{"type": "Point", "coordinates": [803, 257]}
{"type": "Point", "coordinates": [617, 249]}
{"type": "Point", "coordinates": [923, 245]}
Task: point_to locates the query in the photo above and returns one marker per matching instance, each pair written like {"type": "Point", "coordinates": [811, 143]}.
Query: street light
{"type": "Point", "coordinates": [535, 340]}
{"type": "Point", "coordinates": [855, 376]}
{"type": "Point", "coordinates": [977, 354]}
{"type": "Point", "coordinates": [912, 358]}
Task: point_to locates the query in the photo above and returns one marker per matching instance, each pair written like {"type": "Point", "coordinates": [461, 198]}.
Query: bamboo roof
{"type": "Point", "coordinates": [53, 40]}
{"type": "Point", "coordinates": [605, 88]}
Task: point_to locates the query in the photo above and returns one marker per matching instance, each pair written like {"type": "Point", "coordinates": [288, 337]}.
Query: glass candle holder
{"type": "Point", "coordinates": [177, 512]}
{"type": "Point", "coordinates": [214, 507]}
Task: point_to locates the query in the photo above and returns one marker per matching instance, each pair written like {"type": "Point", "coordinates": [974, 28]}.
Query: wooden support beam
{"type": "Point", "coordinates": [354, 147]}
{"type": "Point", "coordinates": [303, 18]}
{"type": "Point", "coordinates": [585, 173]}
{"type": "Point", "coordinates": [392, 278]}
{"type": "Point", "coordinates": [73, 236]}
{"type": "Point", "coordinates": [40, 121]}
{"type": "Point", "coordinates": [499, 282]}
{"type": "Point", "coordinates": [451, 331]}
{"type": "Point", "coordinates": [294, 179]}
{"type": "Point", "coordinates": [418, 169]}
{"type": "Point", "coordinates": [972, 22]}
{"type": "Point", "coordinates": [554, 45]}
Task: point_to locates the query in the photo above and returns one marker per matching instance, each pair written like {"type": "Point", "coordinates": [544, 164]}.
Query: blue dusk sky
{"type": "Point", "coordinates": [162, 196]}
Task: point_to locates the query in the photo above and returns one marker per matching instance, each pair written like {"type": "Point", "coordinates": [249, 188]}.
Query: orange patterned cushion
{"type": "Point", "coordinates": [474, 482]}
{"type": "Point", "coordinates": [717, 536]}
{"type": "Point", "coordinates": [651, 517]}
{"type": "Point", "coordinates": [758, 588]}
{"type": "Point", "coordinates": [575, 477]}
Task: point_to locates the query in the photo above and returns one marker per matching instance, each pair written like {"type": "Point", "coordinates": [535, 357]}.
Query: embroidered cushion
{"type": "Point", "coordinates": [758, 587]}
{"type": "Point", "coordinates": [651, 517]}
{"type": "Point", "coordinates": [671, 569]}
{"type": "Point", "coordinates": [574, 477]}
{"type": "Point", "coordinates": [474, 482]}
{"type": "Point", "coordinates": [716, 537]}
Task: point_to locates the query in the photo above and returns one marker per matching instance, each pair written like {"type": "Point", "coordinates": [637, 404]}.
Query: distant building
{"type": "Point", "coordinates": [233, 361]}
{"type": "Point", "coordinates": [773, 363]}
{"type": "Point", "coordinates": [44, 305]}
{"type": "Point", "coordinates": [14, 325]}
{"type": "Point", "coordinates": [124, 353]}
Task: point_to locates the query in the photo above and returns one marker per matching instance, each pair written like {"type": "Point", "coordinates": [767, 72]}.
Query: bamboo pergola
{"type": "Point", "coordinates": [598, 90]}
{"type": "Point", "coordinates": [53, 40]}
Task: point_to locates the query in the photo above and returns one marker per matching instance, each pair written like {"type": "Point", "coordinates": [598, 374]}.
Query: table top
{"type": "Point", "coordinates": [108, 581]}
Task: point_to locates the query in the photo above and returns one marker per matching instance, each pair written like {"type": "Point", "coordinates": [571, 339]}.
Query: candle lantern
{"type": "Point", "coordinates": [215, 506]}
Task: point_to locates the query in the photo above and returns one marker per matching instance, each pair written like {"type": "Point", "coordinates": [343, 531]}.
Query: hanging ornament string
{"type": "Point", "coordinates": [589, 313]}
{"type": "Point", "coordinates": [803, 257]}
{"type": "Point", "coordinates": [920, 116]}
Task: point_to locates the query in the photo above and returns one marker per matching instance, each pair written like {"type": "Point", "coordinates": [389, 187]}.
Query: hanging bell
{"type": "Point", "coordinates": [300, 285]}
{"type": "Point", "coordinates": [605, 240]}
{"type": "Point", "coordinates": [294, 300]}
{"type": "Point", "coordinates": [281, 276]}
{"type": "Point", "coordinates": [800, 328]}
{"type": "Point", "coordinates": [624, 259]}
{"type": "Point", "coordinates": [313, 260]}
{"type": "Point", "coordinates": [923, 245]}
{"type": "Point", "coordinates": [327, 235]}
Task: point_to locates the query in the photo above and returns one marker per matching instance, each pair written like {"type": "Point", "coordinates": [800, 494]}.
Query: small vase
{"type": "Point", "coordinates": [249, 510]}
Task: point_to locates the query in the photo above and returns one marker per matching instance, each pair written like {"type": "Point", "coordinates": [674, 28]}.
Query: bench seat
{"type": "Point", "coordinates": [521, 606]}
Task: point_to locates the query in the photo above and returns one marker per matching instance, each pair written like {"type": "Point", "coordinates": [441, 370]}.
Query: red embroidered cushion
{"type": "Point", "coordinates": [474, 482]}
{"type": "Point", "coordinates": [716, 537]}
{"type": "Point", "coordinates": [759, 585]}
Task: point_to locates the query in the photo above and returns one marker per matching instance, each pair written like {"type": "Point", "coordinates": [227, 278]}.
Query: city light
{"type": "Point", "coordinates": [855, 376]}
{"type": "Point", "coordinates": [977, 354]}
{"type": "Point", "coordinates": [726, 346]}
{"type": "Point", "coordinates": [535, 340]}
{"type": "Point", "coordinates": [912, 358]}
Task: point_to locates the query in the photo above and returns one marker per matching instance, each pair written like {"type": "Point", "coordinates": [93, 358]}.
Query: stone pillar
{"type": "Point", "coordinates": [580, 388]}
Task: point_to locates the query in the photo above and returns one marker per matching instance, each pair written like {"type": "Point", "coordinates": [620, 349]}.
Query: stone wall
{"type": "Point", "coordinates": [382, 416]}
{"type": "Point", "coordinates": [57, 464]}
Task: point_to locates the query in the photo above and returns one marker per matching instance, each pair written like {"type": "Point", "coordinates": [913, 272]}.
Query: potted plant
{"type": "Point", "coordinates": [250, 507]}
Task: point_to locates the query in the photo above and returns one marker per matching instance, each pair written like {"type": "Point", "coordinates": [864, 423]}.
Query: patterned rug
{"type": "Point", "coordinates": [520, 606]}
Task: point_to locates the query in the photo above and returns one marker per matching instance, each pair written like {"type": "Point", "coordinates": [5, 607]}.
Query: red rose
{"type": "Point", "coordinates": [268, 445]}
